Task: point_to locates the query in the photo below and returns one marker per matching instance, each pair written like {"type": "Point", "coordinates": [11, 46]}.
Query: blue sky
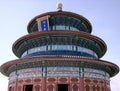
{"type": "Point", "coordinates": [104, 16]}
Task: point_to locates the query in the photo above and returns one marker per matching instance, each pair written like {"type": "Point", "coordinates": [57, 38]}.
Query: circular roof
{"type": "Point", "coordinates": [67, 14]}
{"type": "Point", "coordinates": [99, 43]}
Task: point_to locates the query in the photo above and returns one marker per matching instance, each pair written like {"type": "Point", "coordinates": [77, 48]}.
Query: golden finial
{"type": "Point", "coordinates": [59, 7]}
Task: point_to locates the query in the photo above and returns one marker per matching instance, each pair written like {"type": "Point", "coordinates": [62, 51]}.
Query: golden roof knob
{"type": "Point", "coordinates": [59, 7]}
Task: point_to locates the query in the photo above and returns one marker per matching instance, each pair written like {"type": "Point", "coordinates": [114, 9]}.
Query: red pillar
{"type": "Point", "coordinates": [105, 85]}
{"type": "Point", "coordinates": [70, 87]}
{"type": "Point", "coordinates": [44, 84]}
{"type": "Point", "coordinates": [81, 87]}
{"type": "Point", "coordinates": [16, 84]}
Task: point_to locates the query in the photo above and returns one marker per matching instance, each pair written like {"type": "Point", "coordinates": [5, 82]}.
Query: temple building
{"type": "Point", "coordinates": [59, 53]}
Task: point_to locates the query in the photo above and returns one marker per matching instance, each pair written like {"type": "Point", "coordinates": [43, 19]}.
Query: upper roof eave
{"type": "Point", "coordinates": [61, 13]}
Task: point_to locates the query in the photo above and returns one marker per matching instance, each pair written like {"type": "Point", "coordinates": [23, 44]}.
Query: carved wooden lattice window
{"type": "Point", "coordinates": [102, 89]}
{"type": "Point", "coordinates": [98, 88]}
{"type": "Point", "coordinates": [87, 88]}
{"type": "Point", "coordinates": [50, 88]}
{"type": "Point", "coordinates": [94, 88]}
{"type": "Point", "coordinates": [75, 87]}
{"type": "Point", "coordinates": [10, 88]}
{"type": "Point", "coordinates": [19, 88]}
{"type": "Point", "coordinates": [37, 88]}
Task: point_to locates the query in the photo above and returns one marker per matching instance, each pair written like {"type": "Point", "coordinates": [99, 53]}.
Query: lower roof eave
{"type": "Point", "coordinates": [11, 66]}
